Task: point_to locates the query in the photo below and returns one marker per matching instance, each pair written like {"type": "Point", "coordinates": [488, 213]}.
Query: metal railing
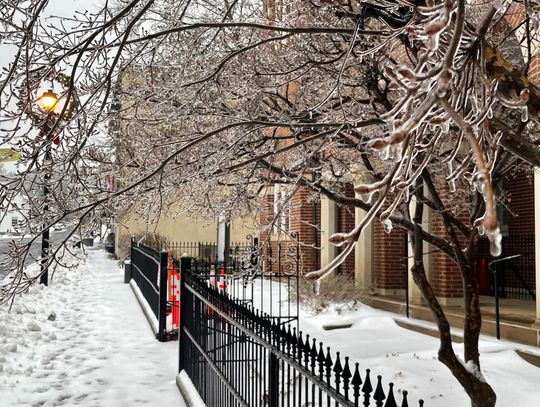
{"type": "Point", "coordinates": [146, 270]}
{"type": "Point", "coordinates": [516, 278]}
{"type": "Point", "coordinates": [237, 355]}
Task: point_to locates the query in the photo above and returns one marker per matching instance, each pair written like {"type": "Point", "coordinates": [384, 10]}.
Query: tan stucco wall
{"type": "Point", "coordinates": [179, 229]}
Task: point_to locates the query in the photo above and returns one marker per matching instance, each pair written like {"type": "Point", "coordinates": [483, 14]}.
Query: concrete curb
{"type": "Point", "coordinates": [188, 391]}
{"type": "Point", "coordinates": [150, 317]}
{"type": "Point", "coordinates": [424, 330]}
{"type": "Point", "coordinates": [512, 331]}
{"type": "Point", "coordinates": [529, 357]}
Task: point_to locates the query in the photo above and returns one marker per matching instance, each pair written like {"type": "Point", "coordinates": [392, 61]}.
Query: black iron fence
{"type": "Point", "coordinates": [516, 277]}
{"type": "Point", "coordinates": [240, 256]}
{"type": "Point", "coordinates": [149, 270]}
{"type": "Point", "coordinates": [237, 355]}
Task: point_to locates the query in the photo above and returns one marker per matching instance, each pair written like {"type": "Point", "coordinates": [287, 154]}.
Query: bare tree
{"type": "Point", "coordinates": [186, 98]}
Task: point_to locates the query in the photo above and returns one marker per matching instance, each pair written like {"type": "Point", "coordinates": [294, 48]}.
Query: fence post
{"type": "Point", "coordinates": [273, 380]}
{"type": "Point", "coordinates": [131, 248]}
{"type": "Point", "coordinates": [185, 263]}
{"type": "Point", "coordinates": [163, 275]}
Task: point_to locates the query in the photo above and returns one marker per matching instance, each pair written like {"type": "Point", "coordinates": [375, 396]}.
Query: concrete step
{"type": "Point", "coordinates": [517, 331]}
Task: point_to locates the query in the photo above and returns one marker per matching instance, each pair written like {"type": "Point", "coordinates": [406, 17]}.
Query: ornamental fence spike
{"type": "Point", "coordinates": [313, 355]}
{"type": "Point", "coordinates": [404, 402]}
{"type": "Point", "coordinates": [314, 352]}
{"type": "Point", "coordinates": [328, 363]}
{"type": "Point", "coordinates": [421, 403]}
{"type": "Point", "coordinates": [379, 395]}
{"type": "Point", "coordinates": [284, 338]}
{"type": "Point", "coordinates": [307, 350]}
{"type": "Point", "coordinates": [367, 388]}
{"type": "Point", "coordinates": [337, 365]}
{"type": "Point", "coordinates": [337, 370]}
{"type": "Point", "coordinates": [346, 370]}
{"type": "Point", "coordinates": [357, 378]}
{"type": "Point", "coordinates": [390, 400]}
{"type": "Point", "coordinates": [346, 377]}
{"type": "Point", "coordinates": [289, 339]}
{"type": "Point", "coordinates": [300, 346]}
{"type": "Point", "coordinates": [321, 357]}
{"type": "Point", "coordinates": [356, 382]}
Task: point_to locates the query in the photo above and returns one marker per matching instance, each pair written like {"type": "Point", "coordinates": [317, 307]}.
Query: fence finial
{"type": "Point", "coordinates": [379, 395]}
{"type": "Point", "coordinates": [307, 351]}
{"type": "Point", "coordinates": [321, 358]}
{"type": "Point", "coordinates": [314, 354]}
{"type": "Point", "coordinates": [328, 363]}
{"type": "Point", "coordinates": [356, 382]}
{"type": "Point", "coordinates": [346, 377]}
{"type": "Point", "coordinates": [300, 346]}
{"type": "Point", "coordinates": [404, 402]}
{"type": "Point", "coordinates": [390, 400]}
{"type": "Point", "coordinates": [367, 388]}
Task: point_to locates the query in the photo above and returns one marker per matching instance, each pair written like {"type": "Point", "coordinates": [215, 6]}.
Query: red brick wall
{"type": "Point", "coordinates": [301, 222]}
{"type": "Point", "coordinates": [388, 251]}
{"type": "Point", "coordinates": [445, 277]}
{"type": "Point", "coordinates": [515, 15]}
{"type": "Point", "coordinates": [521, 206]}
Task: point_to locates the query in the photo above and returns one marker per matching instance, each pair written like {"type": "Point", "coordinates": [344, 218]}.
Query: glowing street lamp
{"type": "Point", "coordinates": [47, 101]}
{"type": "Point", "coordinates": [48, 111]}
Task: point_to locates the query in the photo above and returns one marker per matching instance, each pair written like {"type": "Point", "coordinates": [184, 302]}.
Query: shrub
{"type": "Point", "coordinates": [338, 290]}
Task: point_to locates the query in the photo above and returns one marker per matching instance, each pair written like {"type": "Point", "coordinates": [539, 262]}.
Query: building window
{"type": "Point", "coordinates": [282, 210]}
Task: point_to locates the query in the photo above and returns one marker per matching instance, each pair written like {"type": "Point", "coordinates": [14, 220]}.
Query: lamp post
{"type": "Point", "coordinates": [47, 102]}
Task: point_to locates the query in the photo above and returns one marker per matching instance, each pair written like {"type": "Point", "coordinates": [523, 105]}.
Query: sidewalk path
{"type": "Point", "coordinates": [98, 351]}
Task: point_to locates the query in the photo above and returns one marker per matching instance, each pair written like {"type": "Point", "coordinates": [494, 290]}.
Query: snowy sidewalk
{"type": "Point", "coordinates": [99, 351]}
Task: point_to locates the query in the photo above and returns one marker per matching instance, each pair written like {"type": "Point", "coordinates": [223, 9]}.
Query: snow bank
{"type": "Point", "coordinates": [96, 351]}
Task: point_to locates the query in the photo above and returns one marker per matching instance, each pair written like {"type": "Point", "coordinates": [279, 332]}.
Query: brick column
{"type": "Point", "coordinates": [362, 254]}
{"type": "Point", "coordinates": [328, 227]}
{"type": "Point", "coordinates": [344, 224]}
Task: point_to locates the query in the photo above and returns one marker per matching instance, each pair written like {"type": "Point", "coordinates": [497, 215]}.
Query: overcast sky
{"type": "Point", "coordinates": [61, 8]}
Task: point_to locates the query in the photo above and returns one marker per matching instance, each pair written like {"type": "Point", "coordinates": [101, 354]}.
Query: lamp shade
{"type": "Point", "coordinates": [48, 100]}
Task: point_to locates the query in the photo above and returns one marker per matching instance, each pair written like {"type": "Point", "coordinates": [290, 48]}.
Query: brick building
{"type": "Point", "coordinates": [380, 263]}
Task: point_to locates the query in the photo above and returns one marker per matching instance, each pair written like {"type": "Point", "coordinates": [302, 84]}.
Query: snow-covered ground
{"type": "Point", "coordinates": [409, 359]}
{"type": "Point", "coordinates": [98, 351]}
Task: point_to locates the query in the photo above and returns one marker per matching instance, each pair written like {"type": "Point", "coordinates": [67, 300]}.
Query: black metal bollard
{"type": "Point", "coordinates": [185, 264]}
{"type": "Point", "coordinates": [163, 277]}
{"type": "Point", "coordinates": [127, 271]}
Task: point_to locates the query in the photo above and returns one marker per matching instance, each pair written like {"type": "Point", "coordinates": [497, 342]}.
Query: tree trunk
{"type": "Point", "coordinates": [483, 396]}
{"type": "Point", "coordinates": [480, 393]}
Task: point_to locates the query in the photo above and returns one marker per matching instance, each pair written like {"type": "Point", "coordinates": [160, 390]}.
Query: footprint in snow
{"type": "Point", "coordinates": [81, 397]}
